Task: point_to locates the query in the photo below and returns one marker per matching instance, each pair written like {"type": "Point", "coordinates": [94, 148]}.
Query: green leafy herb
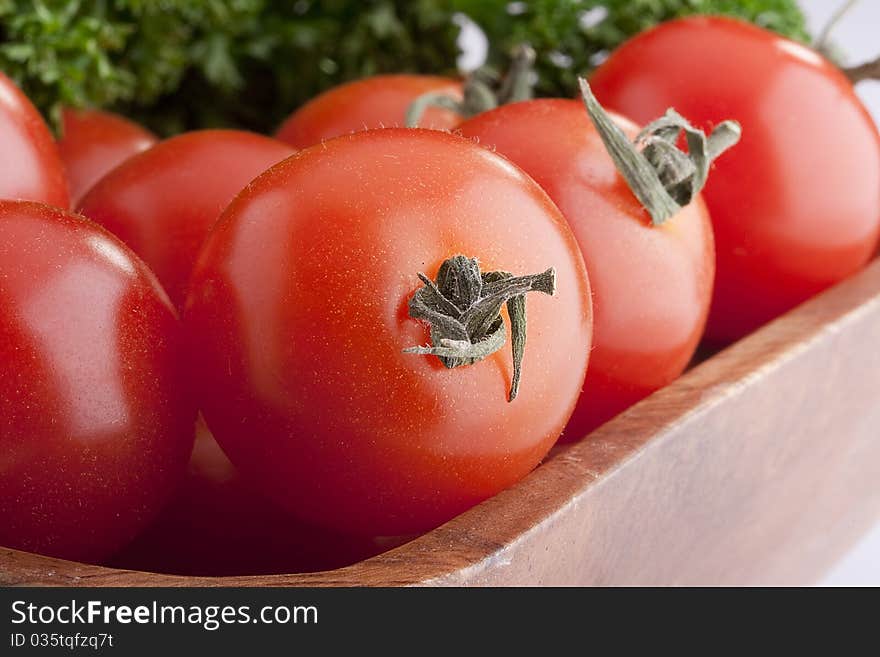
{"type": "Point", "coordinates": [572, 36]}
{"type": "Point", "coordinates": [177, 64]}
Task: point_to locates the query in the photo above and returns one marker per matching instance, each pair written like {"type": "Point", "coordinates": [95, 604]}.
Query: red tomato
{"type": "Point", "coordinates": [30, 167]}
{"type": "Point", "coordinates": [163, 202]}
{"type": "Point", "coordinates": [380, 101]}
{"type": "Point", "coordinates": [218, 525]}
{"type": "Point", "coordinates": [95, 426]}
{"type": "Point", "coordinates": [94, 142]}
{"type": "Point", "coordinates": [651, 284]}
{"type": "Point", "coordinates": [298, 315]}
{"type": "Point", "coordinates": [796, 205]}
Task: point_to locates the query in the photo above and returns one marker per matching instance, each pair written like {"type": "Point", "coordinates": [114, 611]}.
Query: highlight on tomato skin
{"type": "Point", "coordinates": [380, 101]}
{"type": "Point", "coordinates": [651, 284]}
{"type": "Point", "coordinates": [94, 142]}
{"type": "Point", "coordinates": [96, 425]}
{"type": "Point", "coordinates": [299, 314]}
{"type": "Point", "coordinates": [30, 167]}
{"type": "Point", "coordinates": [327, 309]}
{"type": "Point", "coordinates": [163, 202]}
{"type": "Point", "coordinates": [796, 205]}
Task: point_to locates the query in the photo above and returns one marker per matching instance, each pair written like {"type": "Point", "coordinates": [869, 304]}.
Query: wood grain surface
{"type": "Point", "coordinates": [760, 466]}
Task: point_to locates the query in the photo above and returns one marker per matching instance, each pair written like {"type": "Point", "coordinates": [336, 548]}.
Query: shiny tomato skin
{"type": "Point", "coordinates": [163, 202]}
{"type": "Point", "coordinates": [380, 101]}
{"type": "Point", "coordinates": [796, 204]}
{"type": "Point", "coordinates": [95, 425]}
{"type": "Point", "coordinates": [298, 317]}
{"type": "Point", "coordinates": [30, 168]}
{"type": "Point", "coordinates": [94, 142]}
{"type": "Point", "coordinates": [651, 284]}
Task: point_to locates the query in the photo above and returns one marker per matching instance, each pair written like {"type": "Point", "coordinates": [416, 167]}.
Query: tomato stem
{"type": "Point", "coordinates": [822, 42]}
{"type": "Point", "coordinates": [867, 71]}
{"type": "Point", "coordinates": [463, 308]}
{"type": "Point", "coordinates": [662, 176]}
{"type": "Point", "coordinates": [484, 89]}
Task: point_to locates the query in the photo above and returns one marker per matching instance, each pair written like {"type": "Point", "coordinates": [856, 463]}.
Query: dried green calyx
{"type": "Point", "coordinates": [662, 176]}
{"type": "Point", "coordinates": [463, 308]}
{"type": "Point", "coordinates": [484, 89]}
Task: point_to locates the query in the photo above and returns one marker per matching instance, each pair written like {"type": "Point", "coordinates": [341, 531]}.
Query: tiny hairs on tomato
{"type": "Point", "coordinates": [97, 424]}
{"type": "Point", "coordinates": [307, 295]}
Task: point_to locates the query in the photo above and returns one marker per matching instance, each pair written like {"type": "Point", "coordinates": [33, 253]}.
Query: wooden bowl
{"type": "Point", "coordinates": [761, 465]}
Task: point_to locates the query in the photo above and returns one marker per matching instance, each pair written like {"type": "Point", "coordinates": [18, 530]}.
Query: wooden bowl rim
{"type": "Point", "coordinates": [479, 538]}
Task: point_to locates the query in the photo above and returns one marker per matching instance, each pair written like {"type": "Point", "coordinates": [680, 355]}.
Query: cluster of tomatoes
{"type": "Point", "coordinates": [381, 327]}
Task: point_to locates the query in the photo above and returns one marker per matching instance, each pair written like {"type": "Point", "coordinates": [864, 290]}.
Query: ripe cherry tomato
{"type": "Point", "coordinates": [651, 284]}
{"type": "Point", "coordinates": [93, 143]}
{"type": "Point", "coordinates": [298, 316]}
{"type": "Point", "coordinates": [95, 424]}
{"type": "Point", "coordinates": [30, 167]}
{"type": "Point", "coordinates": [380, 101]}
{"type": "Point", "coordinates": [218, 525]}
{"type": "Point", "coordinates": [163, 201]}
{"type": "Point", "coordinates": [796, 205]}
